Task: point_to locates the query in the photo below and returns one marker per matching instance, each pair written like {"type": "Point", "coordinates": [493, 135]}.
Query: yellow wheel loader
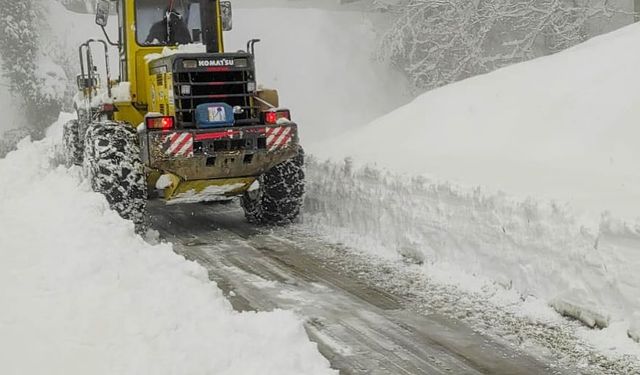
{"type": "Point", "coordinates": [184, 121]}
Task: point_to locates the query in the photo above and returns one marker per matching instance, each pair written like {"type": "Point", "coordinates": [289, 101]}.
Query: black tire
{"type": "Point", "coordinates": [73, 147]}
{"type": "Point", "coordinates": [278, 200]}
{"type": "Point", "coordinates": [113, 165]}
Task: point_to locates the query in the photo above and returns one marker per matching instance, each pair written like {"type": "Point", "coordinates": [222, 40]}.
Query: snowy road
{"type": "Point", "coordinates": [360, 329]}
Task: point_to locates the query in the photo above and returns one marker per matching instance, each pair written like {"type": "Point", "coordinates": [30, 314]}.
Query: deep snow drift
{"type": "Point", "coordinates": [82, 294]}
{"type": "Point", "coordinates": [562, 127]}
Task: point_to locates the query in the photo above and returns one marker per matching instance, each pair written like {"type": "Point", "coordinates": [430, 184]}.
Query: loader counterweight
{"type": "Point", "coordinates": [224, 153]}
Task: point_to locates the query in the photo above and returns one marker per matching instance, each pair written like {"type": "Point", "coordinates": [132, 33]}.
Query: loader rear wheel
{"type": "Point", "coordinates": [112, 163]}
{"type": "Point", "coordinates": [73, 148]}
{"type": "Point", "coordinates": [278, 200]}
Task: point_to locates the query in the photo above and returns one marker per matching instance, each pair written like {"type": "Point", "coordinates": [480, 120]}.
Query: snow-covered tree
{"type": "Point", "coordinates": [437, 42]}
{"type": "Point", "coordinates": [29, 72]}
{"type": "Point", "coordinates": [79, 6]}
{"type": "Point", "coordinates": [384, 5]}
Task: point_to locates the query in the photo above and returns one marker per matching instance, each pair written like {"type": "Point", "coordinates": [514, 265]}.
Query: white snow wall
{"type": "Point", "coordinates": [81, 293]}
{"type": "Point", "coordinates": [538, 249]}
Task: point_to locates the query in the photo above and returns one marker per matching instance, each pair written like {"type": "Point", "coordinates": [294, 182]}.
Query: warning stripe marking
{"type": "Point", "coordinates": [284, 137]}
{"type": "Point", "coordinates": [271, 137]}
{"type": "Point", "coordinates": [278, 137]}
{"type": "Point", "coordinates": [185, 147]}
{"type": "Point", "coordinates": [178, 144]}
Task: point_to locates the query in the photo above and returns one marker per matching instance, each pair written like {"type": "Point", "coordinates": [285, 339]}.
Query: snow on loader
{"type": "Point", "coordinates": [185, 121]}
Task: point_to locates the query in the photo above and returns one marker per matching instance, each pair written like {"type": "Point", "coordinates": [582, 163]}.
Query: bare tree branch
{"type": "Point", "coordinates": [437, 42]}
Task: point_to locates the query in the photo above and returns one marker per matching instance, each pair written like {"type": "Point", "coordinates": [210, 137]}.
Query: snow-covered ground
{"type": "Point", "coordinates": [81, 293]}
{"type": "Point", "coordinates": [558, 135]}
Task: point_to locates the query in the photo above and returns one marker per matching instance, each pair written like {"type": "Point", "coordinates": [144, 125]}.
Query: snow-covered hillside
{"type": "Point", "coordinates": [77, 301]}
{"type": "Point", "coordinates": [561, 127]}
{"type": "Point", "coordinates": [558, 135]}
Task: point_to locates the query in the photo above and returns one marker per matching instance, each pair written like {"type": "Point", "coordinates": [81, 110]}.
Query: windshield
{"type": "Point", "coordinates": [168, 22]}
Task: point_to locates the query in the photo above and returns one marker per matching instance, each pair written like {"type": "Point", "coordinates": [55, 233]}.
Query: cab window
{"type": "Point", "coordinates": [167, 23]}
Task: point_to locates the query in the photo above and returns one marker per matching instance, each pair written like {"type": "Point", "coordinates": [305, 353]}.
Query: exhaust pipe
{"type": "Point", "coordinates": [209, 21]}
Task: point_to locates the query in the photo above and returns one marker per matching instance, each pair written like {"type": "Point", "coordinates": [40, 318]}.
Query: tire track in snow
{"type": "Point", "coordinates": [361, 329]}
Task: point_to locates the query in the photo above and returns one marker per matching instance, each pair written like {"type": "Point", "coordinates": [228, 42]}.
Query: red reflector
{"type": "Point", "coordinates": [272, 117]}
{"type": "Point", "coordinates": [161, 123]}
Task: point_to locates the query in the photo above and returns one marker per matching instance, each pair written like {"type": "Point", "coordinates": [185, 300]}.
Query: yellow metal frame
{"type": "Point", "coordinates": [154, 93]}
{"type": "Point", "coordinates": [142, 83]}
{"type": "Point", "coordinates": [179, 186]}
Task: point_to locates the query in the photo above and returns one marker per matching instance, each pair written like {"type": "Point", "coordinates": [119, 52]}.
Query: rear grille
{"type": "Point", "coordinates": [228, 87]}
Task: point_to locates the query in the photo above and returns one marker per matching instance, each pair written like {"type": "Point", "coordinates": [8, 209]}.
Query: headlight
{"type": "Point", "coordinates": [190, 64]}
{"type": "Point", "coordinates": [241, 63]}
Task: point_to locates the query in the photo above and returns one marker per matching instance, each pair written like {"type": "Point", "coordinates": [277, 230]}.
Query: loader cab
{"type": "Point", "coordinates": [157, 25]}
{"type": "Point", "coordinates": [198, 23]}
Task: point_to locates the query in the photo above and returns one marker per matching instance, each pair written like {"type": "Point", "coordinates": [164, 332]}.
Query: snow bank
{"type": "Point", "coordinates": [82, 294]}
{"type": "Point", "coordinates": [538, 249]}
{"type": "Point", "coordinates": [561, 127]}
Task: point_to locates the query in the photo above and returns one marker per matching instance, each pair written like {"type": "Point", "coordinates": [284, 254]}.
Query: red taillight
{"type": "Point", "coordinates": [160, 123]}
{"type": "Point", "coordinates": [272, 117]}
